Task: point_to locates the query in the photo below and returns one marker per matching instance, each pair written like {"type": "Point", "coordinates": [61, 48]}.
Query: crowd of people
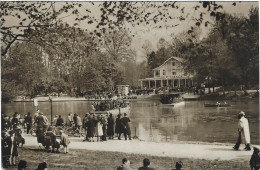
{"type": "Point", "coordinates": [101, 126]}
{"type": "Point", "coordinates": [146, 165]}
{"type": "Point", "coordinates": [106, 105]}
{"type": "Point", "coordinates": [105, 126]}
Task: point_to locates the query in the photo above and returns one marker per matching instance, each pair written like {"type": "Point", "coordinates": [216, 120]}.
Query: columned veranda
{"type": "Point", "coordinates": [176, 82]}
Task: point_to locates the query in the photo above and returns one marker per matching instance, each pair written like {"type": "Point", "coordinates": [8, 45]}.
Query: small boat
{"type": "Point", "coordinates": [175, 104]}
{"type": "Point", "coordinates": [172, 100]}
{"type": "Point", "coordinates": [217, 105]}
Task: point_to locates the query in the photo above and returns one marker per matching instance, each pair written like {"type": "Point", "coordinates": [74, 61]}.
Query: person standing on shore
{"type": "Point", "coordinates": [243, 132]}
{"type": "Point", "coordinates": [55, 120]}
{"type": "Point", "coordinates": [60, 121]}
{"type": "Point", "coordinates": [125, 123]}
{"type": "Point", "coordinates": [99, 129]}
{"type": "Point", "coordinates": [110, 126]}
{"type": "Point", "coordinates": [36, 114]}
{"type": "Point", "coordinates": [46, 122]}
{"type": "Point", "coordinates": [40, 121]}
{"type": "Point", "coordinates": [28, 122]}
{"type": "Point", "coordinates": [12, 143]}
{"type": "Point", "coordinates": [119, 127]}
{"type": "Point", "coordinates": [90, 128]}
{"type": "Point", "coordinates": [69, 121]}
{"type": "Point", "coordinates": [104, 127]}
{"type": "Point", "coordinates": [15, 121]}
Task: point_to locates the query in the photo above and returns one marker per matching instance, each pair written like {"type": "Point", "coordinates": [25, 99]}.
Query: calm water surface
{"type": "Point", "coordinates": [189, 122]}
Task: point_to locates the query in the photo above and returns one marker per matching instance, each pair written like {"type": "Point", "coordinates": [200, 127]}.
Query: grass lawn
{"type": "Point", "coordinates": [92, 160]}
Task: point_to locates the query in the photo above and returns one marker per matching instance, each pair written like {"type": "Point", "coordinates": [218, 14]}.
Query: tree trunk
{"type": "Point", "coordinates": [213, 87]}
{"type": "Point", "coordinates": [208, 85]}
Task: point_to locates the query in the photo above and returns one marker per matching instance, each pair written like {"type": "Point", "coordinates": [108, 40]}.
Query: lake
{"type": "Point", "coordinates": [190, 122]}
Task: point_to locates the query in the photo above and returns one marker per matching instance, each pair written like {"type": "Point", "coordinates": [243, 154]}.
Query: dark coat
{"type": "Point", "coordinates": [90, 125]}
{"type": "Point", "coordinates": [15, 122]}
{"type": "Point", "coordinates": [28, 119]}
{"type": "Point", "coordinates": [11, 144]}
{"type": "Point", "coordinates": [125, 124]}
{"type": "Point", "coordinates": [110, 126]}
{"type": "Point", "coordinates": [59, 122]}
{"type": "Point", "coordinates": [119, 128]}
{"type": "Point", "coordinates": [40, 121]}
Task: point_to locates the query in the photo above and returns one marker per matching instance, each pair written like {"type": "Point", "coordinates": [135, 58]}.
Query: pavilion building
{"type": "Point", "coordinates": [170, 75]}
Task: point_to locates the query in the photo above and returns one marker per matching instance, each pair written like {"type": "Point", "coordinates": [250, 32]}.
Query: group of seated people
{"type": "Point", "coordinates": [146, 165]}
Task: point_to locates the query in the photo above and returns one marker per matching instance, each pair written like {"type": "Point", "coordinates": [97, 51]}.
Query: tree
{"type": "Point", "coordinates": [33, 15]}
{"type": "Point", "coordinates": [147, 46]}
{"type": "Point", "coordinates": [30, 16]}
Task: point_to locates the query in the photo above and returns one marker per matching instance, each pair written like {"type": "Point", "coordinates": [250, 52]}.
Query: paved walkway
{"type": "Point", "coordinates": [178, 150]}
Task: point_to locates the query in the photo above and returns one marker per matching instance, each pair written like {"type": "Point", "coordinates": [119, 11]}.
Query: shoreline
{"type": "Point", "coordinates": [229, 95]}
{"type": "Point", "coordinates": [207, 151]}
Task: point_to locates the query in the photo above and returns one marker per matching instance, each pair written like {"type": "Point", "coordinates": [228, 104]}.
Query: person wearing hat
{"type": "Point", "coordinates": [5, 123]}
{"type": "Point", "coordinates": [15, 120]}
{"type": "Point", "coordinates": [12, 144]}
{"type": "Point", "coordinates": [28, 121]}
{"type": "Point", "coordinates": [85, 119]}
{"type": "Point", "coordinates": [39, 120]}
{"type": "Point", "coordinates": [69, 120]}
{"type": "Point", "coordinates": [99, 129]}
{"type": "Point", "coordinates": [60, 121]}
{"type": "Point", "coordinates": [55, 120]}
{"type": "Point", "coordinates": [64, 141]}
{"type": "Point", "coordinates": [104, 127]}
{"type": "Point", "coordinates": [90, 128]}
{"type": "Point", "coordinates": [243, 132]}
{"type": "Point", "coordinates": [110, 126]}
{"type": "Point", "coordinates": [119, 129]}
{"type": "Point", "coordinates": [125, 123]}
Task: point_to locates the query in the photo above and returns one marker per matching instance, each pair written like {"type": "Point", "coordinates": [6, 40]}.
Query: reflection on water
{"type": "Point", "coordinates": [153, 122]}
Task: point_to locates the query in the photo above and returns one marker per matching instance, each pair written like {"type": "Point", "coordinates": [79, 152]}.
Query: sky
{"type": "Point", "coordinates": [150, 32]}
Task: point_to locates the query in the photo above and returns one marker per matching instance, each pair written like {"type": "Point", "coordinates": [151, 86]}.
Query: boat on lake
{"type": "Point", "coordinates": [173, 99]}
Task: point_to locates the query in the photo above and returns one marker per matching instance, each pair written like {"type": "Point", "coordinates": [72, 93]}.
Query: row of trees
{"type": "Point", "coordinates": [41, 53]}
{"type": "Point", "coordinates": [68, 61]}
{"type": "Point", "coordinates": [228, 56]}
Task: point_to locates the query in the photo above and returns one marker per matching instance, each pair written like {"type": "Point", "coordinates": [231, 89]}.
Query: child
{"type": "Point", "coordinates": [64, 140]}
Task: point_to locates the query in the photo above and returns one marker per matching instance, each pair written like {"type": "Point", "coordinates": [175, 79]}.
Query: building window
{"type": "Point", "coordinates": [163, 72]}
{"type": "Point", "coordinates": [173, 63]}
{"type": "Point", "coordinates": [174, 73]}
{"type": "Point", "coordinates": [157, 73]}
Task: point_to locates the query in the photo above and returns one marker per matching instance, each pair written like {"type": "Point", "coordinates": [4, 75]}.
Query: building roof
{"type": "Point", "coordinates": [175, 58]}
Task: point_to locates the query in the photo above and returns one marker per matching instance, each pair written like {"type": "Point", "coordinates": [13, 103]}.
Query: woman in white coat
{"type": "Point", "coordinates": [243, 130]}
{"type": "Point", "coordinates": [99, 130]}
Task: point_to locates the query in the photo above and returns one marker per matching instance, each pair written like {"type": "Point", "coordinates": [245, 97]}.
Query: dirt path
{"type": "Point", "coordinates": [177, 150]}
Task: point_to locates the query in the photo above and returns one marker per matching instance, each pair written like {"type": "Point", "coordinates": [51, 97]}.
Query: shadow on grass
{"type": "Point", "coordinates": [223, 149]}
{"type": "Point", "coordinates": [40, 150]}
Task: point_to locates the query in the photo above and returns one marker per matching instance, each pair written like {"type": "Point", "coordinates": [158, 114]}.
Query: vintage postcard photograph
{"type": "Point", "coordinates": [129, 85]}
